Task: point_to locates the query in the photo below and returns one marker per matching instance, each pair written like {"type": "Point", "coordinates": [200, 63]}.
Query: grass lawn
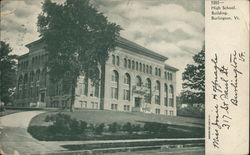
{"type": "Point", "coordinates": [107, 117]}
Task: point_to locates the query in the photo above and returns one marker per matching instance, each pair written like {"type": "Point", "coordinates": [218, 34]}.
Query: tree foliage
{"type": "Point", "coordinates": [194, 80]}
{"type": "Point", "coordinates": [7, 72]}
{"type": "Point", "coordinates": [78, 38]}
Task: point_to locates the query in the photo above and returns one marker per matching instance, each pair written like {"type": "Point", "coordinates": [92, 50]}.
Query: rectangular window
{"type": "Point", "coordinates": [113, 106]}
{"type": "Point", "coordinates": [126, 95]}
{"type": "Point", "coordinates": [114, 92]}
{"type": "Point", "coordinates": [171, 102]}
{"type": "Point", "coordinates": [126, 107]}
{"type": "Point", "coordinates": [83, 104]}
{"type": "Point", "coordinates": [157, 111]}
{"type": "Point", "coordinates": [157, 99]}
{"type": "Point", "coordinates": [166, 112]}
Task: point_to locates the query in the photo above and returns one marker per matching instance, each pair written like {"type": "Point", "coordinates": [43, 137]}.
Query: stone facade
{"type": "Point", "coordinates": [136, 79]}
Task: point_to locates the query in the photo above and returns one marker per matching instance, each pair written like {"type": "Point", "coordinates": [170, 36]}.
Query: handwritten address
{"type": "Point", "coordinates": [225, 80]}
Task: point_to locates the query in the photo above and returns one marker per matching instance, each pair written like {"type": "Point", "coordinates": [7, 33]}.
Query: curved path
{"type": "Point", "coordinates": [15, 138]}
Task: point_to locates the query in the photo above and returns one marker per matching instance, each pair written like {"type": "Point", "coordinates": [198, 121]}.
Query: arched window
{"type": "Point", "coordinates": [136, 66]}
{"type": "Point", "coordinates": [158, 93]}
{"type": "Point", "coordinates": [171, 97]}
{"type": "Point", "coordinates": [138, 81]}
{"type": "Point", "coordinates": [117, 60]}
{"type": "Point", "coordinates": [125, 63]}
{"type": "Point", "coordinates": [147, 69]}
{"type": "Point", "coordinates": [115, 85]}
{"type": "Point", "coordinates": [113, 59]}
{"type": "Point", "coordinates": [166, 94]}
{"type": "Point", "coordinates": [129, 63]}
{"type": "Point", "coordinates": [143, 68]}
{"type": "Point", "coordinates": [127, 88]}
{"type": "Point", "coordinates": [149, 91]}
{"type": "Point", "coordinates": [133, 64]}
{"type": "Point", "coordinates": [156, 71]}
{"type": "Point", "coordinates": [159, 71]}
{"type": "Point", "coordinates": [140, 67]}
{"type": "Point", "coordinates": [126, 79]}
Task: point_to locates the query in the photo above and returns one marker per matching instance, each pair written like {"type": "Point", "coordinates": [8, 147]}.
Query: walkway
{"type": "Point", "coordinates": [14, 135]}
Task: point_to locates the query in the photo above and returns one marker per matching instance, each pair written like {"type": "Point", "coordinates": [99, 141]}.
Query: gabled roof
{"type": "Point", "coordinates": [125, 44]}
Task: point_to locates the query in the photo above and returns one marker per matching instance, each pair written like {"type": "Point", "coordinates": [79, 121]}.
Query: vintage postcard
{"type": "Point", "coordinates": [124, 77]}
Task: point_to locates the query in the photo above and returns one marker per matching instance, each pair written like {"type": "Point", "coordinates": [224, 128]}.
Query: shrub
{"type": "Point", "coordinates": [137, 127]}
{"type": "Point", "coordinates": [128, 127]}
{"type": "Point", "coordinates": [99, 129]}
{"type": "Point", "coordinates": [64, 125]}
{"type": "Point", "coordinates": [114, 127]}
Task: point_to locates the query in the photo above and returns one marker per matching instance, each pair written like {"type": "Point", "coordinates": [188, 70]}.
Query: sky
{"type": "Point", "coordinates": [173, 28]}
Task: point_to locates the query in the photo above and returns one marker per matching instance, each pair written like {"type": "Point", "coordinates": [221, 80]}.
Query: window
{"type": "Point", "coordinates": [165, 75]}
{"type": "Point", "coordinates": [113, 59]}
{"type": "Point", "coordinates": [150, 70]}
{"type": "Point", "coordinates": [140, 67]}
{"type": "Point", "coordinates": [115, 76]}
{"type": "Point", "coordinates": [125, 63]}
{"type": "Point", "coordinates": [171, 76]}
{"type": "Point", "coordinates": [158, 93]}
{"type": "Point", "coordinates": [129, 63]}
{"type": "Point", "coordinates": [126, 91]}
{"type": "Point", "coordinates": [166, 112]}
{"type": "Point", "coordinates": [83, 104]}
{"type": "Point", "coordinates": [114, 87]}
{"type": "Point", "coordinates": [166, 94]}
{"type": "Point", "coordinates": [159, 72]}
{"type": "Point", "coordinates": [157, 111]}
{"type": "Point", "coordinates": [126, 94]}
{"type": "Point", "coordinates": [136, 66]}
{"type": "Point", "coordinates": [138, 81]}
{"type": "Point", "coordinates": [94, 105]}
{"type": "Point", "coordinates": [117, 60]}
{"type": "Point", "coordinates": [149, 91]}
{"type": "Point", "coordinates": [166, 101]}
{"type": "Point", "coordinates": [147, 71]}
{"type": "Point", "coordinates": [156, 71]}
{"type": "Point", "coordinates": [133, 65]}
{"type": "Point", "coordinates": [114, 92]}
{"type": "Point", "coordinates": [113, 106]}
{"type": "Point", "coordinates": [158, 86]}
{"type": "Point", "coordinates": [157, 99]}
{"type": "Point", "coordinates": [126, 108]}
{"type": "Point", "coordinates": [85, 86]}
{"type": "Point", "coordinates": [171, 112]}
{"type": "Point", "coordinates": [143, 68]}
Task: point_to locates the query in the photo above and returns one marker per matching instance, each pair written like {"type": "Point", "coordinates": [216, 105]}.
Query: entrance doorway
{"type": "Point", "coordinates": [137, 102]}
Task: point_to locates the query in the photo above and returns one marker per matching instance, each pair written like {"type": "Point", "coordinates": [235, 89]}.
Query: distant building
{"type": "Point", "coordinates": [136, 79]}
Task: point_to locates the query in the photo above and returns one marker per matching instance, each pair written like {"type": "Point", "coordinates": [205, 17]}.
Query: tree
{"type": "Point", "coordinates": [7, 72]}
{"type": "Point", "coordinates": [194, 79]}
{"type": "Point", "coordinates": [78, 39]}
